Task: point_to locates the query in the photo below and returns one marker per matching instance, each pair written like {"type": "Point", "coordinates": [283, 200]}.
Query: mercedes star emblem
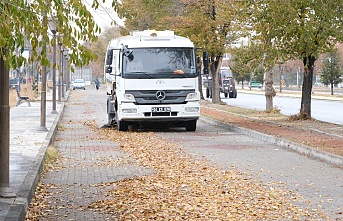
{"type": "Point", "coordinates": [160, 95]}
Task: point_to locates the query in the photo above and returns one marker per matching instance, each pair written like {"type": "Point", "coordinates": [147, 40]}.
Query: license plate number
{"type": "Point", "coordinates": [160, 109]}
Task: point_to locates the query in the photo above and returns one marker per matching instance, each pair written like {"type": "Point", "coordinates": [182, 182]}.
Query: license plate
{"type": "Point", "coordinates": [160, 109]}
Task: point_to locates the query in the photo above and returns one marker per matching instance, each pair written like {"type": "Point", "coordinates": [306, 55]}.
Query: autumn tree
{"type": "Point", "coordinates": [331, 72]}
{"type": "Point", "coordinates": [27, 21]}
{"type": "Point", "coordinates": [205, 22]}
{"type": "Point", "coordinates": [208, 24]}
{"type": "Point", "coordinates": [240, 70]}
{"type": "Point", "coordinates": [142, 15]}
{"type": "Point", "coordinates": [247, 61]}
{"type": "Point", "coordinates": [99, 48]}
{"type": "Point", "coordinates": [298, 29]}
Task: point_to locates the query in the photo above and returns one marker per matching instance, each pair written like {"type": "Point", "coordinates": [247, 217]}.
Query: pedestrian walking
{"type": "Point", "coordinates": [97, 83]}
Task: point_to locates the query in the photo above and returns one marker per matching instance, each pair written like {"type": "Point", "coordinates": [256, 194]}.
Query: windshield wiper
{"type": "Point", "coordinates": [139, 73]}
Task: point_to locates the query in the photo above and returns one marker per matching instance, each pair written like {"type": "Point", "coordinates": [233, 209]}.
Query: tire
{"type": "Point", "coordinates": [123, 126]}
{"type": "Point", "coordinates": [225, 94]}
{"type": "Point", "coordinates": [191, 125]}
{"type": "Point", "coordinates": [207, 93]}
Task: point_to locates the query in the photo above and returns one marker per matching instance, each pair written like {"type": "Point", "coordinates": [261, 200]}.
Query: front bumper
{"type": "Point", "coordinates": [144, 113]}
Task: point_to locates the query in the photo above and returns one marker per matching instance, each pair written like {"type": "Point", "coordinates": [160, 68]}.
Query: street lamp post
{"type": "Point", "coordinates": [66, 55]}
{"type": "Point", "coordinates": [53, 28]}
{"type": "Point", "coordinates": [43, 87]}
{"type": "Point", "coordinates": [60, 75]}
{"type": "Point", "coordinates": [68, 70]}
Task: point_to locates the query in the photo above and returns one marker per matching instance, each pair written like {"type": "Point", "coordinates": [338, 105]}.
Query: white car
{"type": "Point", "coordinates": [79, 84]}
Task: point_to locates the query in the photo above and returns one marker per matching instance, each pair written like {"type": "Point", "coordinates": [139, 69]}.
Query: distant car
{"type": "Point", "coordinates": [228, 88]}
{"type": "Point", "coordinates": [14, 83]}
{"type": "Point", "coordinates": [79, 84]}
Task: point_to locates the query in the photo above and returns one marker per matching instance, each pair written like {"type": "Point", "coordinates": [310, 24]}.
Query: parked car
{"type": "Point", "coordinates": [14, 83]}
{"type": "Point", "coordinates": [79, 84]}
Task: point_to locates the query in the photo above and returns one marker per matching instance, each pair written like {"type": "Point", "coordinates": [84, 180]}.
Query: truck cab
{"type": "Point", "coordinates": [152, 76]}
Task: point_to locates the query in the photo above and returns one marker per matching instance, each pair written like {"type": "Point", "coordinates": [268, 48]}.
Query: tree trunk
{"type": "Point", "coordinates": [215, 67]}
{"type": "Point", "coordinates": [305, 109]}
{"type": "Point", "coordinates": [331, 88]}
{"type": "Point", "coordinates": [250, 80]}
{"type": "Point", "coordinates": [281, 72]}
{"type": "Point", "coordinates": [4, 126]}
{"type": "Point", "coordinates": [269, 91]}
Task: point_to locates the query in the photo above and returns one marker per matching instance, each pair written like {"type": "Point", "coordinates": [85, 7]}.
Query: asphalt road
{"type": "Point", "coordinates": [324, 110]}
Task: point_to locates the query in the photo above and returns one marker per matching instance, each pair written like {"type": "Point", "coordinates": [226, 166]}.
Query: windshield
{"type": "Point", "coordinates": [13, 81]}
{"type": "Point", "coordinates": [225, 73]}
{"type": "Point", "coordinates": [159, 63]}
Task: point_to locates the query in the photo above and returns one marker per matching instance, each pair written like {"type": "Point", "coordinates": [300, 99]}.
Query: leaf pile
{"type": "Point", "coordinates": [183, 188]}
{"type": "Point", "coordinates": [40, 205]}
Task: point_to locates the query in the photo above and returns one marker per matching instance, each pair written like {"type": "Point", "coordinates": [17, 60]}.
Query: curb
{"type": "Point", "coordinates": [279, 141]}
{"type": "Point", "coordinates": [20, 205]}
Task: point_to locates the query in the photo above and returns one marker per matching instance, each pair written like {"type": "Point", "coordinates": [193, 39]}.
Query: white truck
{"type": "Point", "coordinates": [152, 76]}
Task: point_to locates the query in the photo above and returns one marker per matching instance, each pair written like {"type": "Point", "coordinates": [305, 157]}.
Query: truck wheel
{"type": "Point", "coordinates": [123, 126]}
{"type": "Point", "coordinates": [191, 125]}
{"type": "Point", "coordinates": [225, 94]}
{"type": "Point", "coordinates": [207, 93]}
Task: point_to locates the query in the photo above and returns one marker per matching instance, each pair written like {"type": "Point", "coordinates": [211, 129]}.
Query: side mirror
{"type": "Point", "coordinates": [109, 57]}
{"type": "Point", "coordinates": [130, 56]}
{"type": "Point", "coordinates": [127, 53]}
{"type": "Point", "coordinates": [108, 69]}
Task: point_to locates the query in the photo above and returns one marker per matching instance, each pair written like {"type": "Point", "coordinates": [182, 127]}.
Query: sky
{"type": "Point", "coordinates": [104, 15]}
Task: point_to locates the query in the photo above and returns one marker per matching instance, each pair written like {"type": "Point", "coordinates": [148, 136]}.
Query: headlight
{"type": "Point", "coordinates": [192, 96]}
{"type": "Point", "coordinates": [129, 110]}
{"type": "Point", "coordinates": [129, 97]}
{"type": "Point", "coordinates": [192, 109]}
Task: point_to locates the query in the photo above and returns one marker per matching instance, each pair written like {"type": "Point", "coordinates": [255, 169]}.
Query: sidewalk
{"type": "Point", "coordinates": [28, 143]}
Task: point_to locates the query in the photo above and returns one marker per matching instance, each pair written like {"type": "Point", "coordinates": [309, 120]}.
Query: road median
{"type": "Point", "coordinates": [312, 138]}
